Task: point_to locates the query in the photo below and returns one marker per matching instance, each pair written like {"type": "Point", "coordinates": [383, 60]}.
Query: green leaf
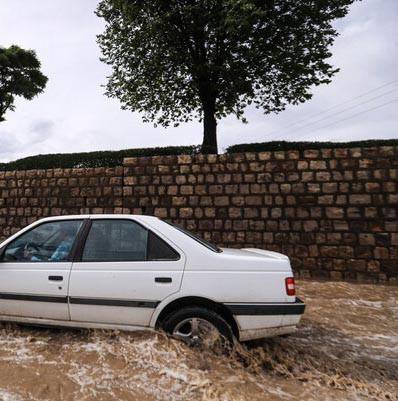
{"type": "Point", "coordinates": [20, 75]}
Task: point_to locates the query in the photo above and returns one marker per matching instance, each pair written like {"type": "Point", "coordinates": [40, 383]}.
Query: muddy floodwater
{"type": "Point", "coordinates": [346, 348]}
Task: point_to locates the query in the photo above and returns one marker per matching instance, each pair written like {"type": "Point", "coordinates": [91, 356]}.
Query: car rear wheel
{"type": "Point", "coordinates": [198, 326]}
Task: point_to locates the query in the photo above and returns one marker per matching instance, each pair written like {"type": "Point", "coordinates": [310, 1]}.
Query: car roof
{"type": "Point", "coordinates": [100, 216]}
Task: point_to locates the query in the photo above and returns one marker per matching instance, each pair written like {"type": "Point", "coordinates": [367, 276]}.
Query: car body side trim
{"type": "Point", "coordinates": [68, 323]}
{"type": "Point", "coordinates": [34, 298]}
{"type": "Point", "coordinates": [284, 308]}
{"type": "Point", "coordinates": [113, 302]}
{"type": "Point", "coordinates": [79, 300]}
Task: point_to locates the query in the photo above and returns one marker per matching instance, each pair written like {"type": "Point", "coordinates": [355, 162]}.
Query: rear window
{"type": "Point", "coordinates": [201, 240]}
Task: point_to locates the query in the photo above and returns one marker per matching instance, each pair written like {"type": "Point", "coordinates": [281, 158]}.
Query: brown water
{"type": "Point", "coordinates": [345, 349]}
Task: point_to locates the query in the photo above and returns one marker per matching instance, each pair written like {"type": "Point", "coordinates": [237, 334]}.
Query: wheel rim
{"type": "Point", "coordinates": [195, 331]}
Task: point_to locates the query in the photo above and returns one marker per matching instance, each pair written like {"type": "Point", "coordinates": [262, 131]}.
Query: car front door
{"type": "Point", "coordinates": [124, 271]}
{"type": "Point", "coordinates": [35, 270]}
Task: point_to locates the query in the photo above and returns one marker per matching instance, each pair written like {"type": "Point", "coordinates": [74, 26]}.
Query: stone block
{"type": "Point", "coordinates": [340, 153]}
{"type": "Point", "coordinates": [334, 212]}
{"type": "Point", "coordinates": [311, 153]}
{"type": "Point", "coordinates": [186, 212]}
{"type": "Point", "coordinates": [264, 156]}
{"type": "Point", "coordinates": [307, 176]}
{"type": "Point", "coordinates": [186, 190]}
{"type": "Point", "coordinates": [322, 176]}
{"type": "Point", "coordinates": [302, 165]}
{"type": "Point", "coordinates": [318, 165]}
{"type": "Point", "coordinates": [310, 225]}
{"type": "Point", "coordinates": [330, 187]}
{"type": "Point", "coordinates": [381, 253]}
{"type": "Point", "coordinates": [253, 200]}
{"type": "Point", "coordinates": [221, 201]}
{"type": "Point", "coordinates": [336, 275]}
{"type": "Point", "coordinates": [184, 159]}
{"type": "Point", "coordinates": [372, 187]}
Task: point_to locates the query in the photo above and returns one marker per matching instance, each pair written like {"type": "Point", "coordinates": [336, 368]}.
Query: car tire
{"type": "Point", "coordinates": [195, 326]}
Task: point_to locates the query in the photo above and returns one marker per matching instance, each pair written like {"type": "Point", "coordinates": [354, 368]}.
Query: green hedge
{"type": "Point", "coordinates": [284, 145]}
{"type": "Point", "coordinates": [93, 159]}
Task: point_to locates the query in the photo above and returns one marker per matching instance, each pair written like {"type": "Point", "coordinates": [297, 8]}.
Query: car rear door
{"type": "Point", "coordinates": [124, 271]}
{"type": "Point", "coordinates": [35, 270]}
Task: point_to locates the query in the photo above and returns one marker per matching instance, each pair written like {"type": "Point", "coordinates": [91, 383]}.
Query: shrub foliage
{"type": "Point", "coordinates": [284, 145]}
{"type": "Point", "coordinates": [92, 159]}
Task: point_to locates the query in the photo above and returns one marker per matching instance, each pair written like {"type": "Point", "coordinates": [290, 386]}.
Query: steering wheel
{"type": "Point", "coordinates": [29, 249]}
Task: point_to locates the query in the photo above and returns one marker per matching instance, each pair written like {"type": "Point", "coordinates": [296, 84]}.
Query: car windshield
{"type": "Point", "coordinates": [201, 240]}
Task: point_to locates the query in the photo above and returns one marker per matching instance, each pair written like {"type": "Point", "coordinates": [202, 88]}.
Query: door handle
{"type": "Point", "coordinates": [55, 278]}
{"type": "Point", "coordinates": [163, 280]}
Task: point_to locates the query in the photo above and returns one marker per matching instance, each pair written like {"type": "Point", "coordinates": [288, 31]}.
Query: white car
{"type": "Point", "coordinates": [133, 272]}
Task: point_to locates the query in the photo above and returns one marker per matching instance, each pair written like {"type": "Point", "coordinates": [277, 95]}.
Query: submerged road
{"type": "Point", "coordinates": [346, 348]}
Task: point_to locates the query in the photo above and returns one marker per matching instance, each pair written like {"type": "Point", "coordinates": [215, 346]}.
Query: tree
{"type": "Point", "coordinates": [19, 76]}
{"type": "Point", "coordinates": [175, 60]}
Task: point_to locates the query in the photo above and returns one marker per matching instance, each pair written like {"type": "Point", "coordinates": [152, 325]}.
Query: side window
{"type": "Point", "coordinates": [115, 240]}
{"type": "Point", "coordinates": [159, 250]}
{"type": "Point", "coordinates": [123, 241]}
{"type": "Point", "coordinates": [49, 242]}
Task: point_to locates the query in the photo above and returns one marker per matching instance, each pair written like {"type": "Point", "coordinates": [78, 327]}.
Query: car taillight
{"type": "Point", "coordinates": [290, 287]}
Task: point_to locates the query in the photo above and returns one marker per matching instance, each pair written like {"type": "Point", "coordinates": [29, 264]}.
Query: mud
{"type": "Point", "coordinates": [346, 348]}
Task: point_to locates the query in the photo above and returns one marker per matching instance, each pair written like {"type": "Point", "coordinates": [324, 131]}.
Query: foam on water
{"type": "Point", "coordinates": [6, 396]}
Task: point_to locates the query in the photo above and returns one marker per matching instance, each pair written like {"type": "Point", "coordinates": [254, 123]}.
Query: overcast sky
{"type": "Point", "coordinates": [74, 115]}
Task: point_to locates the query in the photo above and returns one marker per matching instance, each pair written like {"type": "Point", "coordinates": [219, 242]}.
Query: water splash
{"type": "Point", "coordinates": [345, 349]}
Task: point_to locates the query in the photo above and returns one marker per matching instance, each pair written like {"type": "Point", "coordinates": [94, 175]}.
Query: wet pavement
{"type": "Point", "coordinates": [346, 348]}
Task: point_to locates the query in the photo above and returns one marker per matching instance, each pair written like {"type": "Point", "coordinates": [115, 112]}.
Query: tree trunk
{"type": "Point", "coordinates": [209, 131]}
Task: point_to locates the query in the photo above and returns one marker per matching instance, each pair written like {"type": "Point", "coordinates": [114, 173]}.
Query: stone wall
{"type": "Point", "coordinates": [333, 211]}
{"type": "Point", "coordinates": [26, 196]}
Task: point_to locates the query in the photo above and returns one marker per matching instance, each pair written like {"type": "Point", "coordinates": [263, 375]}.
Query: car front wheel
{"type": "Point", "coordinates": [198, 326]}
